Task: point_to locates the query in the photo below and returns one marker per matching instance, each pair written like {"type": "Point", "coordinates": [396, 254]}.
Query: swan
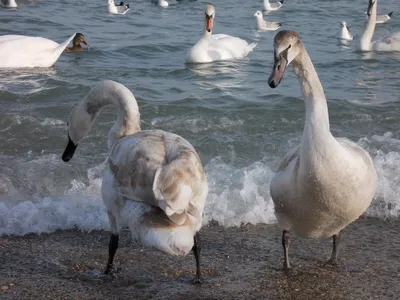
{"type": "Point", "coordinates": [216, 47]}
{"type": "Point", "coordinates": [154, 182]}
{"type": "Point", "coordinates": [9, 3]}
{"type": "Point", "coordinates": [345, 33]}
{"type": "Point", "coordinates": [161, 3]}
{"type": "Point", "coordinates": [380, 18]}
{"type": "Point", "coordinates": [263, 25]}
{"type": "Point", "coordinates": [76, 44]}
{"type": "Point", "coordinates": [325, 183]}
{"type": "Point", "coordinates": [272, 6]}
{"type": "Point", "coordinates": [120, 9]}
{"type": "Point", "coordinates": [390, 43]}
{"type": "Point", "coordinates": [19, 51]}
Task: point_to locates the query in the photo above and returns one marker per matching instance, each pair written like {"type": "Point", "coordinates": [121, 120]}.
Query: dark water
{"type": "Point", "coordinates": [240, 127]}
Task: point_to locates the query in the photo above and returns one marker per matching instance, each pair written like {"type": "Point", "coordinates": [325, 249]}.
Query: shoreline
{"type": "Point", "coordinates": [237, 263]}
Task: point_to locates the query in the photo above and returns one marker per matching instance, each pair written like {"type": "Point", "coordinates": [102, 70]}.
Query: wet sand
{"type": "Point", "coordinates": [238, 263]}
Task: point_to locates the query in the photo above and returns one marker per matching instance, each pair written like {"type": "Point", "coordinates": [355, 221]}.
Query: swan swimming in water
{"type": "Point", "coordinates": [217, 47]}
{"type": "Point", "coordinates": [154, 182]}
{"type": "Point", "coordinates": [390, 43]}
{"type": "Point", "coordinates": [325, 183]}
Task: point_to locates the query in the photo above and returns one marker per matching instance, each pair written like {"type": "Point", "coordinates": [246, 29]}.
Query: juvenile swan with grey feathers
{"type": "Point", "coordinates": [325, 183]}
{"type": "Point", "coordinates": [154, 182]}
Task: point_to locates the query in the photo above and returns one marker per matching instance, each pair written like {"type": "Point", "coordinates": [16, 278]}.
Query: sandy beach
{"type": "Point", "coordinates": [238, 263]}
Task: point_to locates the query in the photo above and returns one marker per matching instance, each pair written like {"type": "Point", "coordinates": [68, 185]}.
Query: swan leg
{"type": "Point", "coordinates": [336, 240]}
{"type": "Point", "coordinates": [196, 251]}
{"type": "Point", "coordinates": [113, 244]}
{"type": "Point", "coordinates": [285, 244]}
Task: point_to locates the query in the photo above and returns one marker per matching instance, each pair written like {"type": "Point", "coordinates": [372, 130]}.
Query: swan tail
{"type": "Point", "coordinates": [252, 46]}
{"type": "Point", "coordinates": [61, 47]}
{"type": "Point", "coordinates": [173, 188]}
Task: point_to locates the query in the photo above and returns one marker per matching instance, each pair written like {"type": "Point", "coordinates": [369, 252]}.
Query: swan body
{"type": "Point", "coordinates": [263, 25]}
{"type": "Point", "coordinates": [390, 43]}
{"type": "Point", "coordinates": [272, 6]}
{"type": "Point", "coordinates": [154, 182]}
{"type": "Point", "coordinates": [325, 183]}
{"type": "Point", "coordinates": [161, 3]}
{"type": "Point", "coordinates": [19, 51]}
{"type": "Point", "coordinates": [9, 3]}
{"type": "Point", "coordinates": [217, 47]}
{"type": "Point", "coordinates": [117, 9]}
{"type": "Point", "coordinates": [345, 33]}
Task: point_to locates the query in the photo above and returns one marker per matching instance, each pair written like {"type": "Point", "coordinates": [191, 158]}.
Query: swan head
{"type": "Point", "coordinates": [287, 45]}
{"type": "Point", "coordinates": [78, 39]}
{"type": "Point", "coordinates": [209, 18]}
{"type": "Point", "coordinates": [258, 14]}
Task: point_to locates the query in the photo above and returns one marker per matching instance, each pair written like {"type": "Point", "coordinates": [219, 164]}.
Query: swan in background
{"type": "Point", "coordinates": [381, 18]}
{"type": "Point", "coordinates": [76, 43]}
{"type": "Point", "coordinates": [216, 47]}
{"type": "Point", "coordinates": [120, 9]}
{"type": "Point", "coordinates": [154, 182]}
{"type": "Point", "coordinates": [345, 33]}
{"type": "Point", "coordinates": [390, 43]}
{"type": "Point", "coordinates": [161, 3]}
{"type": "Point", "coordinates": [272, 6]}
{"type": "Point", "coordinates": [325, 183]}
{"type": "Point", "coordinates": [263, 25]}
{"type": "Point", "coordinates": [8, 3]}
{"type": "Point", "coordinates": [20, 51]}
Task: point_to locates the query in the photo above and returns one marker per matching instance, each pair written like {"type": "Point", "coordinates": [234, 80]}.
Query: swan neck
{"type": "Point", "coordinates": [365, 41]}
{"type": "Point", "coordinates": [316, 129]}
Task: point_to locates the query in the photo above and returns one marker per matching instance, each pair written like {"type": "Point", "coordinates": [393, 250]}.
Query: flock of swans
{"type": "Point", "coordinates": [154, 182]}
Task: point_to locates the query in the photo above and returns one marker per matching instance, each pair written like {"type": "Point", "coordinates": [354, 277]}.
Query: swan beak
{"type": "Point", "coordinates": [277, 71]}
{"type": "Point", "coordinates": [69, 150]}
{"type": "Point", "coordinates": [209, 23]}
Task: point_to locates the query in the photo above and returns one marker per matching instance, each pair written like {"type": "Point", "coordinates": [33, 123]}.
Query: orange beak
{"type": "Point", "coordinates": [209, 23]}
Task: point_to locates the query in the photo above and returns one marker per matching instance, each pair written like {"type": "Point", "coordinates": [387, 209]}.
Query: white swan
{"type": "Point", "coordinates": [380, 18]}
{"type": "Point", "coordinates": [263, 25]}
{"type": "Point", "coordinates": [154, 182]}
{"type": "Point", "coordinates": [325, 183]}
{"type": "Point", "coordinates": [216, 47]}
{"type": "Point", "coordinates": [120, 9]}
{"type": "Point", "coordinates": [161, 3]}
{"type": "Point", "coordinates": [272, 6]}
{"type": "Point", "coordinates": [19, 51]}
{"type": "Point", "coordinates": [345, 33]}
{"type": "Point", "coordinates": [9, 3]}
{"type": "Point", "coordinates": [390, 43]}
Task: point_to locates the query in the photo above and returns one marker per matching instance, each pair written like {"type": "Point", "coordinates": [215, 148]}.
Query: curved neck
{"type": "Point", "coordinates": [103, 94]}
{"type": "Point", "coordinates": [316, 128]}
{"type": "Point", "coordinates": [365, 41]}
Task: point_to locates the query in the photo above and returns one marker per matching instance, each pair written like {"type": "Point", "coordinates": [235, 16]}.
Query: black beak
{"type": "Point", "coordinates": [69, 150]}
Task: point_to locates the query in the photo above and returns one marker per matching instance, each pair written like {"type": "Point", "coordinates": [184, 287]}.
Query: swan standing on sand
{"type": "Point", "coordinates": [161, 3]}
{"type": "Point", "coordinates": [380, 18]}
{"type": "Point", "coordinates": [272, 6]}
{"type": "Point", "coordinates": [216, 47]}
{"type": "Point", "coordinates": [263, 25]}
{"type": "Point", "coordinates": [325, 183]}
{"type": "Point", "coordinates": [19, 51]}
{"type": "Point", "coordinates": [390, 43]}
{"type": "Point", "coordinates": [8, 3]}
{"type": "Point", "coordinates": [154, 182]}
{"type": "Point", "coordinates": [345, 33]}
{"type": "Point", "coordinates": [120, 9]}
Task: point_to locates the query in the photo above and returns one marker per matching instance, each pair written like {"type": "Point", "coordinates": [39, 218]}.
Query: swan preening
{"type": "Point", "coordinates": [9, 3]}
{"type": "Point", "coordinates": [216, 47]}
{"type": "Point", "coordinates": [272, 6]}
{"type": "Point", "coordinates": [263, 25]}
{"type": "Point", "coordinates": [154, 182]}
{"type": "Point", "coordinates": [325, 183]}
{"type": "Point", "coordinates": [390, 43]}
{"type": "Point", "coordinates": [20, 51]}
{"type": "Point", "coordinates": [120, 9]}
{"type": "Point", "coordinates": [345, 33]}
